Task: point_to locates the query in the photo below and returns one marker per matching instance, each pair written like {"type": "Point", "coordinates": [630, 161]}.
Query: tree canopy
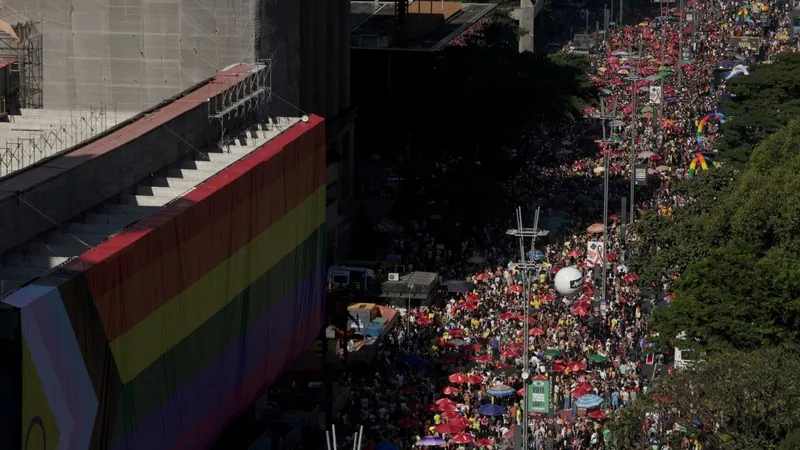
{"type": "Point", "coordinates": [758, 105]}
{"type": "Point", "coordinates": [736, 249]}
{"type": "Point", "coordinates": [737, 401]}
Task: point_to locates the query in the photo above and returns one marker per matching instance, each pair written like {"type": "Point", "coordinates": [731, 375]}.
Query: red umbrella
{"type": "Point", "coordinates": [475, 379]}
{"type": "Point", "coordinates": [530, 319]}
{"type": "Point", "coordinates": [456, 332]}
{"type": "Point", "coordinates": [580, 311]}
{"type": "Point", "coordinates": [457, 378]}
{"type": "Point", "coordinates": [506, 316]}
{"type": "Point", "coordinates": [444, 401]}
{"type": "Point", "coordinates": [516, 289]}
{"type": "Point", "coordinates": [472, 298]}
{"type": "Point", "coordinates": [481, 277]}
{"type": "Point", "coordinates": [424, 321]}
{"type": "Point", "coordinates": [483, 359]}
{"type": "Point", "coordinates": [407, 423]}
{"type": "Point", "coordinates": [547, 298]}
{"type": "Point", "coordinates": [445, 407]}
{"type": "Point", "coordinates": [580, 391]}
{"type": "Point", "coordinates": [508, 354]}
{"type": "Point", "coordinates": [450, 390]}
{"type": "Point", "coordinates": [576, 367]}
{"type": "Point", "coordinates": [536, 332]}
{"type": "Point", "coordinates": [614, 217]}
{"type": "Point", "coordinates": [448, 428]}
{"type": "Point", "coordinates": [461, 438]}
{"type": "Point", "coordinates": [574, 253]}
{"type": "Point", "coordinates": [469, 306]}
{"type": "Point", "coordinates": [463, 422]}
{"type": "Point", "coordinates": [597, 414]}
{"type": "Point", "coordinates": [483, 443]}
{"type": "Point", "coordinates": [450, 415]}
{"type": "Point", "coordinates": [521, 392]}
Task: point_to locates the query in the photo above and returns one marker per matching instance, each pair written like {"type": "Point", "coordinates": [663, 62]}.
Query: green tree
{"type": "Point", "coordinates": [735, 247]}
{"type": "Point", "coordinates": [758, 105]}
{"type": "Point", "coordinates": [734, 400]}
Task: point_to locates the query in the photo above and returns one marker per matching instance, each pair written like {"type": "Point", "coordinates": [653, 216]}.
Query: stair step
{"type": "Point", "coordinates": [134, 211]}
{"type": "Point", "coordinates": [34, 262]}
{"type": "Point", "coordinates": [179, 183]}
{"type": "Point", "coordinates": [226, 158]}
{"type": "Point", "coordinates": [99, 228]}
{"type": "Point", "coordinates": [67, 250]}
{"type": "Point", "coordinates": [108, 219]}
{"type": "Point", "coordinates": [206, 166]}
{"type": "Point", "coordinates": [187, 173]}
{"type": "Point", "coordinates": [144, 200]}
{"type": "Point", "coordinates": [60, 238]}
{"type": "Point", "coordinates": [159, 191]}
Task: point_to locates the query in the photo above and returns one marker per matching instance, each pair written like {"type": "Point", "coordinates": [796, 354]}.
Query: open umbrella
{"type": "Point", "coordinates": [450, 390]}
{"type": "Point", "coordinates": [475, 379]}
{"type": "Point", "coordinates": [483, 443]}
{"type": "Point", "coordinates": [444, 401]}
{"type": "Point", "coordinates": [516, 289]}
{"type": "Point", "coordinates": [506, 371]}
{"type": "Point", "coordinates": [500, 390]}
{"type": "Point", "coordinates": [645, 154]}
{"type": "Point", "coordinates": [552, 352]}
{"type": "Point", "coordinates": [483, 359]}
{"type": "Point", "coordinates": [595, 228]}
{"type": "Point", "coordinates": [536, 332]}
{"type": "Point", "coordinates": [461, 438]}
{"type": "Point", "coordinates": [448, 428]}
{"type": "Point", "coordinates": [589, 401]}
{"type": "Point", "coordinates": [597, 358]}
{"type": "Point", "coordinates": [457, 378]}
{"type": "Point", "coordinates": [490, 409]}
{"type": "Point", "coordinates": [386, 446]}
{"type": "Point", "coordinates": [431, 441]}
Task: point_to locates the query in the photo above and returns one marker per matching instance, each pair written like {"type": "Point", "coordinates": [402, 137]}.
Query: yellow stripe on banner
{"type": "Point", "coordinates": [143, 344]}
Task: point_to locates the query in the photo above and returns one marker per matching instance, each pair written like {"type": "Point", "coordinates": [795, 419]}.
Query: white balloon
{"type": "Point", "coordinates": [569, 281]}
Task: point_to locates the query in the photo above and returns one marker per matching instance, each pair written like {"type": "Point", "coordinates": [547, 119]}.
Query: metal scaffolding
{"type": "Point", "coordinates": [245, 101]}
{"type": "Point", "coordinates": [23, 151]}
{"type": "Point", "coordinates": [25, 58]}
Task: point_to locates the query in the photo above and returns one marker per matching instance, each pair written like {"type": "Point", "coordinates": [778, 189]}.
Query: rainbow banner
{"type": "Point", "coordinates": [161, 336]}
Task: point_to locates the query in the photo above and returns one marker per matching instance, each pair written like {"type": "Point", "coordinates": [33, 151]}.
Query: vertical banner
{"type": "Point", "coordinates": [539, 396]}
{"type": "Point", "coordinates": [655, 95]}
{"type": "Point", "coordinates": [686, 54]}
{"type": "Point", "coordinates": [594, 253]}
{"type": "Point", "coordinates": [640, 174]}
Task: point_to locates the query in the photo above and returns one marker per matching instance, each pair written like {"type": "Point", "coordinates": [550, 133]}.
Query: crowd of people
{"type": "Point", "coordinates": [452, 372]}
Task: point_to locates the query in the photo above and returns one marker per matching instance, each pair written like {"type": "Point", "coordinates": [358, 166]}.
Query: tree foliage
{"type": "Point", "coordinates": [758, 105]}
{"type": "Point", "coordinates": [736, 248]}
{"type": "Point", "coordinates": [737, 400]}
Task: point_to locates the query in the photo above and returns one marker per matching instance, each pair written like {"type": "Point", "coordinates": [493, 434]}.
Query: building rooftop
{"type": "Point", "coordinates": [430, 24]}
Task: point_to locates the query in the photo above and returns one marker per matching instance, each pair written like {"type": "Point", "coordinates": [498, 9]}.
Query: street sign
{"type": "Point", "coordinates": [539, 396]}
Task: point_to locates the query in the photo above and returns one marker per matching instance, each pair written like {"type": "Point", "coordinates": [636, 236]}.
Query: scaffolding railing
{"type": "Point", "coordinates": [24, 151]}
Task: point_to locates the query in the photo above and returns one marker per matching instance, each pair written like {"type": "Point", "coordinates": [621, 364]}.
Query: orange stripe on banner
{"type": "Point", "coordinates": [135, 273]}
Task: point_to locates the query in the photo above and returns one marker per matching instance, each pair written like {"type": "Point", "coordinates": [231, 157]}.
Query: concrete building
{"type": "Point", "coordinates": [429, 25]}
{"type": "Point", "coordinates": [83, 59]}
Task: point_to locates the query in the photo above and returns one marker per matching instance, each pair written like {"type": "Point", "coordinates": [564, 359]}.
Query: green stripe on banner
{"type": "Point", "coordinates": [162, 379]}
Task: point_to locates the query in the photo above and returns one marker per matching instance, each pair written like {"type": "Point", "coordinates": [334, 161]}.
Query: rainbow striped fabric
{"type": "Point", "coordinates": [162, 335]}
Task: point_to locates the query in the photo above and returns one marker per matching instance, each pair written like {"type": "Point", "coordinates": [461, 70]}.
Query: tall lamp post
{"type": "Point", "coordinates": [526, 268]}
{"type": "Point", "coordinates": [604, 119]}
{"type": "Point", "coordinates": [633, 78]}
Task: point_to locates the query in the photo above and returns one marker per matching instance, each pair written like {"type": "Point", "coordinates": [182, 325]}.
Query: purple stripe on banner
{"type": "Point", "coordinates": [67, 362]}
{"type": "Point", "coordinates": [275, 329]}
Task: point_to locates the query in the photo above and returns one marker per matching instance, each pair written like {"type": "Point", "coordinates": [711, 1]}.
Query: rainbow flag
{"type": "Point", "coordinates": [159, 337]}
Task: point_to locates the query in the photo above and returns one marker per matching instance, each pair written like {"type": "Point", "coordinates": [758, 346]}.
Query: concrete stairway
{"type": "Point", "coordinates": [37, 258]}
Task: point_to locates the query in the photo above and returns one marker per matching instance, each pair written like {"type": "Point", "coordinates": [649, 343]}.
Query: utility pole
{"type": "Point", "coordinates": [633, 78]}
{"type": "Point", "coordinates": [680, 47]}
{"type": "Point", "coordinates": [526, 268]}
{"type": "Point", "coordinates": [620, 12]}
{"type": "Point", "coordinates": [659, 138]}
{"type": "Point", "coordinates": [604, 119]}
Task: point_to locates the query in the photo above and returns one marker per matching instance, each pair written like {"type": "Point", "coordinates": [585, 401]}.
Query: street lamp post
{"type": "Point", "coordinates": [410, 287]}
{"type": "Point", "coordinates": [526, 267]}
{"type": "Point", "coordinates": [633, 78]}
{"type": "Point", "coordinates": [604, 118]}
